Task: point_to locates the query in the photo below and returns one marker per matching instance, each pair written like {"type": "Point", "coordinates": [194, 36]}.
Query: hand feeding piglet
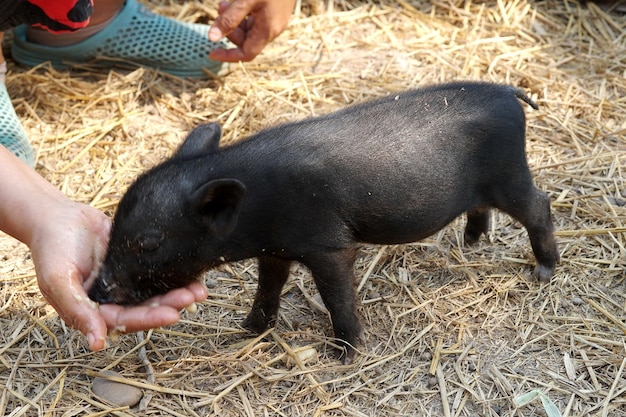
{"type": "Point", "coordinates": [389, 171]}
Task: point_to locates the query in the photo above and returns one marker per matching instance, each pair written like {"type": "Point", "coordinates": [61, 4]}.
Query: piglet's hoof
{"type": "Point", "coordinates": [256, 323]}
{"type": "Point", "coordinates": [543, 273]}
{"type": "Point", "coordinates": [116, 393]}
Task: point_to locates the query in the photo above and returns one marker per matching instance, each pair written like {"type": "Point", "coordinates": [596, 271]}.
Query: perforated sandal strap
{"type": "Point", "coordinates": [12, 134]}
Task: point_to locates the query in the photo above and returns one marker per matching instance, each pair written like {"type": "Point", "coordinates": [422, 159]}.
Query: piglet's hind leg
{"type": "Point", "coordinates": [477, 224]}
{"type": "Point", "coordinates": [532, 209]}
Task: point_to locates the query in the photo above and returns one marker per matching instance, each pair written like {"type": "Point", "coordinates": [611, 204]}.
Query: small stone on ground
{"type": "Point", "coordinates": [116, 393]}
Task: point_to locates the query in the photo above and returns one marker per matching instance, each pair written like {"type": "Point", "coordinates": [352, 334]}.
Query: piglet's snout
{"type": "Point", "coordinates": [107, 290]}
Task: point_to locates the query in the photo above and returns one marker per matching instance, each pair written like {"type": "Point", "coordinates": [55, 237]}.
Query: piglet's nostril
{"type": "Point", "coordinates": [99, 293]}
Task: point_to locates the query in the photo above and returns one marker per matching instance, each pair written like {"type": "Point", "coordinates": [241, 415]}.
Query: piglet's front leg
{"type": "Point", "coordinates": [334, 276]}
{"type": "Point", "coordinates": [273, 274]}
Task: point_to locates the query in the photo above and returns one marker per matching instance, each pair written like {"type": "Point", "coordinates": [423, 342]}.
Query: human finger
{"type": "Point", "coordinates": [157, 311]}
{"type": "Point", "coordinates": [69, 299]}
{"type": "Point", "coordinates": [180, 297]}
{"type": "Point", "coordinates": [133, 319]}
{"type": "Point", "coordinates": [229, 17]}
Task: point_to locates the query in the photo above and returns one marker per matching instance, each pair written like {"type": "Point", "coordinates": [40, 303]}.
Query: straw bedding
{"type": "Point", "coordinates": [449, 330]}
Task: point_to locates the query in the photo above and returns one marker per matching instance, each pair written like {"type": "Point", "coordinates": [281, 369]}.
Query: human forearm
{"type": "Point", "coordinates": [25, 196]}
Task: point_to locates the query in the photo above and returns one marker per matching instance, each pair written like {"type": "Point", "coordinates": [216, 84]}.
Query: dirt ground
{"type": "Point", "coordinates": [449, 330]}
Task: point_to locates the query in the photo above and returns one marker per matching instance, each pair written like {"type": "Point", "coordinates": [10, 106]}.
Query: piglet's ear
{"type": "Point", "coordinates": [202, 139]}
{"type": "Point", "coordinates": [218, 202]}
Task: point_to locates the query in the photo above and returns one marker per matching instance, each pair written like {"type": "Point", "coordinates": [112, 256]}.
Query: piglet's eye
{"type": "Point", "coordinates": [149, 242]}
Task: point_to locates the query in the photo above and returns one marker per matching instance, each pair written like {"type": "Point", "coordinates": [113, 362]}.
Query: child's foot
{"type": "Point", "coordinates": [136, 36]}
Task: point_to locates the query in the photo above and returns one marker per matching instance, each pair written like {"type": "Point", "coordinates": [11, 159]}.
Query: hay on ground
{"type": "Point", "coordinates": [449, 330]}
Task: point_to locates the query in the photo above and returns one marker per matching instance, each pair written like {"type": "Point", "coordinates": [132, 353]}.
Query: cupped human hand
{"type": "Point", "coordinates": [67, 250]}
{"type": "Point", "coordinates": [250, 25]}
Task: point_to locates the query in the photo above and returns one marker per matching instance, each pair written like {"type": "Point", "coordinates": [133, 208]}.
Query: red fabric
{"type": "Point", "coordinates": [63, 15]}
